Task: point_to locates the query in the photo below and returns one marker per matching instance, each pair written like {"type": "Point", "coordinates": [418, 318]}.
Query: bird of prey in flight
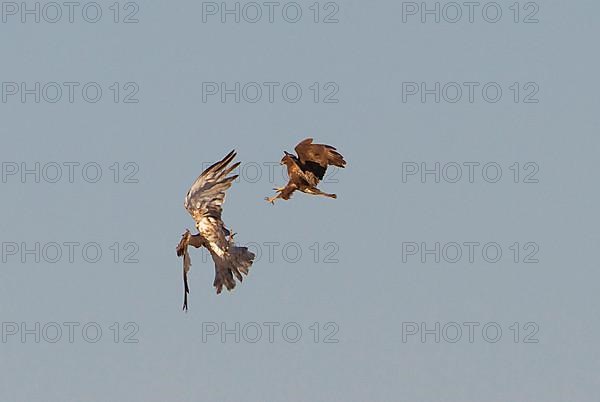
{"type": "Point", "coordinates": [305, 170]}
{"type": "Point", "coordinates": [204, 202]}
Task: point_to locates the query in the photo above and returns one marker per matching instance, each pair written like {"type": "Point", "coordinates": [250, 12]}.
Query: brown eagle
{"type": "Point", "coordinates": [204, 202]}
{"type": "Point", "coordinates": [307, 169]}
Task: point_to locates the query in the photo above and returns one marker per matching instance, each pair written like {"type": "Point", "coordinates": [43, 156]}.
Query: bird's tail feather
{"type": "Point", "coordinates": [236, 261]}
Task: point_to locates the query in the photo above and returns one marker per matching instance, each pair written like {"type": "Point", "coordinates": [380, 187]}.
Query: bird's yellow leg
{"type": "Point", "coordinates": [272, 199]}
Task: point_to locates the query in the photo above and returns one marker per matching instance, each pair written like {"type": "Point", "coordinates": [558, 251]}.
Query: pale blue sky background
{"type": "Point", "coordinates": [170, 134]}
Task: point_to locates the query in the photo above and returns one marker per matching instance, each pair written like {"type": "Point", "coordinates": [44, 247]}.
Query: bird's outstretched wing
{"type": "Point", "coordinates": [205, 197]}
{"type": "Point", "coordinates": [204, 201]}
{"type": "Point", "coordinates": [314, 159]}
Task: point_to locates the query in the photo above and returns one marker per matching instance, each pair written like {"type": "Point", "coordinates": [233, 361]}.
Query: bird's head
{"type": "Point", "coordinates": [287, 158]}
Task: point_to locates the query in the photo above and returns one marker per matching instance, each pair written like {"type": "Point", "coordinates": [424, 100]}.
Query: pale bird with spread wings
{"type": "Point", "coordinates": [307, 169]}
{"type": "Point", "coordinates": [204, 202]}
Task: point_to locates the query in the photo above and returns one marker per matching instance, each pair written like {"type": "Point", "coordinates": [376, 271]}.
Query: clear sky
{"type": "Point", "coordinates": [385, 293]}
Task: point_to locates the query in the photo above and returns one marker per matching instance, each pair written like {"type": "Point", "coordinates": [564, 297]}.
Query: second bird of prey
{"type": "Point", "coordinates": [205, 198]}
